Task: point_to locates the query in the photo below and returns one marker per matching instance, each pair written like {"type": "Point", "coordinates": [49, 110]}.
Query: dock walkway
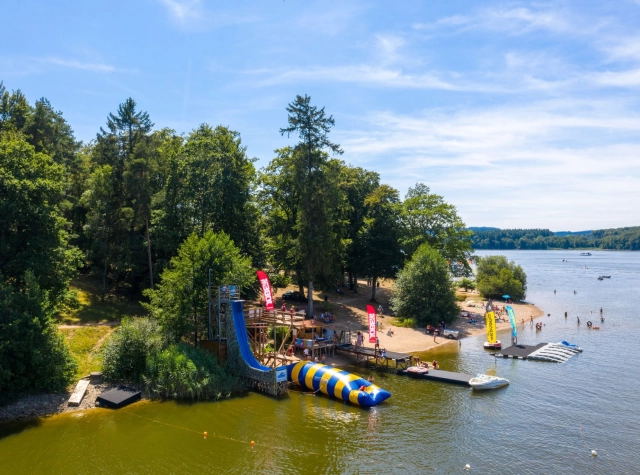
{"type": "Point", "coordinates": [441, 376]}
{"type": "Point", "coordinates": [371, 357]}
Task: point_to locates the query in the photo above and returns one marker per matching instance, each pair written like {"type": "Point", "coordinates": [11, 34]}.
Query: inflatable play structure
{"type": "Point", "coordinates": [335, 382]}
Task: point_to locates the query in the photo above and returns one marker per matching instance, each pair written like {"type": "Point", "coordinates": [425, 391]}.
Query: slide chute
{"type": "Point", "coordinates": [243, 340]}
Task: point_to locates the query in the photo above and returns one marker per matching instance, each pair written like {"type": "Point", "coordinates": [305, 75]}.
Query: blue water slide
{"type": "Point", "coordinates": [243, 340]}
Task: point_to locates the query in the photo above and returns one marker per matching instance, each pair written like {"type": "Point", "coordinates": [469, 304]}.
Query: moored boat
{"type": "Point", "coordinates": [496, 345]}
{"type": "Point", "coordinates": [485, 381]}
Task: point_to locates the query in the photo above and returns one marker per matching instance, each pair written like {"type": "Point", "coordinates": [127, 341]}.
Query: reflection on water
{"type": "Point", "coordinates": [546, 421]}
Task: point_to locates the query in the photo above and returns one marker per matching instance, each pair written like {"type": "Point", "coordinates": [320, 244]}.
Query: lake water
{"type": "Point", "coordinates": [546, 421]}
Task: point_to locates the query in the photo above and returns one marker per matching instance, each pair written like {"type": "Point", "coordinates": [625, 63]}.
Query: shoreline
{"type": "Point", "coordinates": [350, 312]}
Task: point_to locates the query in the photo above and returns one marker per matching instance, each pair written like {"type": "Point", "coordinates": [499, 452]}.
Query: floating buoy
{"type": "Point", "coordinates": [467, 467]}
{"type": "Point", "coordinates": [252, 443]}
{"type": "Point", "coordinates": [205, 434]}
{"type": "Point", "coordinates": [596, 327]}
{"type": "Point", "coordinates": [594, 453]}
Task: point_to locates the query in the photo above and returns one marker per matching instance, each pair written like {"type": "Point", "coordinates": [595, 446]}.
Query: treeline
{"type": "Point", "coordinates": [611, 239]}
{"type": "Point", "coordinates": [143, 209]}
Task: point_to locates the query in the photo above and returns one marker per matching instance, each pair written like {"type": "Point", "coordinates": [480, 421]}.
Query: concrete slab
{"type": "Point", "coordinates": [78, 392]}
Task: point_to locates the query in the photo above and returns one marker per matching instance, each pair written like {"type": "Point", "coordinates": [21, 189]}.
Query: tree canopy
{"type": "Point", "coordinates": [423, 290]}
{"type": "Point", "coordinates": [496, 276]}
{"type": "Point", "coordinates": [180, 301]}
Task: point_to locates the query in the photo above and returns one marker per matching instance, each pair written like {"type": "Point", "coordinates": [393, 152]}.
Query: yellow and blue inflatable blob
{"type": "Point", "coordinates": [335, 382]}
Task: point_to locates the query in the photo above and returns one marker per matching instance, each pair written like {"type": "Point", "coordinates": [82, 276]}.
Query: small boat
{"type": "Point", "coordinates": [600, 277]}
{"type": "Point", "coordinates": [605, 276]}
{"type": "Point", "coordinates": [496, 345]}
{"type": "Point", "coordinates": [484, 381]}
{"type": "Point", "coordinates": [585, 253]}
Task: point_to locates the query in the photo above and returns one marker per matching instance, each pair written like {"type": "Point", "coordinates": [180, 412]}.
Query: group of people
{"type": "Point", "coordinates": [307, 356]}
{"type": "Point", "coordinates": [327, 317]}
{"type": "Point", "coordinates": [425, 364]}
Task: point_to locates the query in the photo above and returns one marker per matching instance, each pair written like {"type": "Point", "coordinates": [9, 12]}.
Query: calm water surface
{"type": "Point", "coordinates": [546, 421]}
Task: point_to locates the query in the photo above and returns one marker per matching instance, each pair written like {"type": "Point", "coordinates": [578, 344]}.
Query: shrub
{"type": "Point", "coordinates": [423, 290]}
{"type": "Point", "coordinates": [181, 371]}
{"type": "Point", "coordinates": [405, 322]}
{"type": "Point", "coordinates": [461, 298]}
{"type": "Point", "coordinates": [497, 277]}
{"type": "Point", "coordinates": [33, 355]}
{"type": "Point", "coordinates": [281, 333]}
{"type": "Point", "coordinates": [126, 353]}
{"type": "Point", "coordinates": [466, 284]}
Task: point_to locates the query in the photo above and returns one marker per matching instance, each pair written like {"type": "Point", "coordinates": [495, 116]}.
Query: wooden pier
{"type": "Point", "coordinates": [441, 376]}
{"type": "Point", "coordinates": [391, 362]}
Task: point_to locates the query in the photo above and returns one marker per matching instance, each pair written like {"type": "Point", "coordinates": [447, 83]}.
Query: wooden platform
{"type": "Point", "coordinates": [441, 376]}
{"type": "Point", "coordinates": [391, 362]}
{"type": "Point", "coordinates": [117, 398]}
{"type": "Point", "coordinates": [520, 352]}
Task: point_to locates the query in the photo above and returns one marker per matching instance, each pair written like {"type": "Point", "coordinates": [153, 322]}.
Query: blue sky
{"type": "Point", "coordinates": [522, 114]}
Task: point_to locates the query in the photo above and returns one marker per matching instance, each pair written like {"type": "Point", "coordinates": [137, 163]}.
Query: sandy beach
{"type": "Point", "coordinates": [350, 311]}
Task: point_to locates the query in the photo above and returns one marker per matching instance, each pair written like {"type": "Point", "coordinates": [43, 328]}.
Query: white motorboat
{"type": "Point", "coordinates": [485, 381]}
{"type": "Point", "coordinates": [496, 345]}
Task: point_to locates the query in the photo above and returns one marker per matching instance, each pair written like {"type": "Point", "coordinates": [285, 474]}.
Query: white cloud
{"type": "Point", "coordinates": [564, 164]}
{"type": "Point", "coordinates": [74, 64]}
{"type": "Point", "coordinates": [184, 11]}
{"type": "Point", "coordinates": [192, 15]}
{"type": "Point", "coordinates": [516, 21]}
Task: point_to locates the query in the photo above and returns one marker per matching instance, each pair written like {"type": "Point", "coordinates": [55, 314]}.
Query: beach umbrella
{"type": "Point", "coordinates": [506, 296]}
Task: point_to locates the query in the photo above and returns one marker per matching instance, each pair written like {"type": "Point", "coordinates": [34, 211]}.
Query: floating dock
{"type": "Point", "coordinates": [391, 362]}
{"type": "Point", "coordinates": [440, 375]}
{"type": "Point", "coordinates": [117, 398]}
{"type": "Point", "coordinates": [552, 352]}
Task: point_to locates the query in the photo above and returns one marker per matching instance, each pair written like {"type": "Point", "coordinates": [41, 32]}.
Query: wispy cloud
{"type": "Point", "coordinates": [75, 64]}
{"type": "Point", "coordinates": [544, 163]}
{"type": "Point", "coordinates": [193, 15]}
{"type": "Point", "coordinates": [515, 20]}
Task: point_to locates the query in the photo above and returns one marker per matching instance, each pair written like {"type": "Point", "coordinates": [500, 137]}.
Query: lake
{"type": "Point", "coordinates": [546, 421]}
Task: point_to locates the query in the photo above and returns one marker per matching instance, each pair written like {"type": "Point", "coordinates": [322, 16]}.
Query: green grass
{"type": "Point", "coordinates": [85, 344]}
{"type": "Point", "coordinates": [405, 322]}
{"type": "Point", "coordinates": [93, 310]}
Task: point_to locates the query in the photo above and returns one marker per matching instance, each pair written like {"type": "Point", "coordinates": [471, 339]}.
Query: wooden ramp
{"type": "Point", "coordinates": [440, 375]}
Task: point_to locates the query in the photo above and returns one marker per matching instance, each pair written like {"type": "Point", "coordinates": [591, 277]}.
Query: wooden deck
{"type": "Point", "coordinates": [368, 356]}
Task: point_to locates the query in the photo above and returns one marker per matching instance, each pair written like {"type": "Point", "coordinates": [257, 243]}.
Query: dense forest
{"type": "Point", "coordinates": [612, 239]}
{"type": "Point", "coordinates": [149, 212]}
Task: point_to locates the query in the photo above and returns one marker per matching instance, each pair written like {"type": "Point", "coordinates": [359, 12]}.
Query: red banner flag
{"type": "Point", "coordinates": [266, 290]}
{"type": "Point", "coordinates": [372, 323]}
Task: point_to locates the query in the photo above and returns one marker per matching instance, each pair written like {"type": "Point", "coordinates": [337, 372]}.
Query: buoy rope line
{"type": "Point", "coordinates": [252, 443]}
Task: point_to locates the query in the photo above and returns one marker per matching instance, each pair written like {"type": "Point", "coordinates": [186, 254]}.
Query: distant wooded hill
{"type": "Point", "coordinates": [618, 238]}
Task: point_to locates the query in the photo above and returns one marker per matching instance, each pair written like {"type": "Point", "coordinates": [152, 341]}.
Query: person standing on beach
{"type": "Point", "coordinates": [578, 320]}
{"type": "Point", "coordinates": [531, 319]}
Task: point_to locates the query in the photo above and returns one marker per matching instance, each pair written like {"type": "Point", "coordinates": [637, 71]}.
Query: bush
{"type": "Point", "coordinates": [126, 353]}
{"type": "Point", "coordinates": [184, 372]}
{"type": "Point", "coordinates": [460, 298]}
{"type": "Point", "coordinates": [423, 290]}
{"type": "Point", "coordinates": [281, 333]}
{"type": "Point", "coordinates": [497, 277]}
{"type": "Point", "coordinates": [137, 352]}
{"type": "Point", "coordinates": [405, 322]}
{"type": "Point", "coordinates": [33, 355]}
{"type": "Point", "coordinates": [466, 284]}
